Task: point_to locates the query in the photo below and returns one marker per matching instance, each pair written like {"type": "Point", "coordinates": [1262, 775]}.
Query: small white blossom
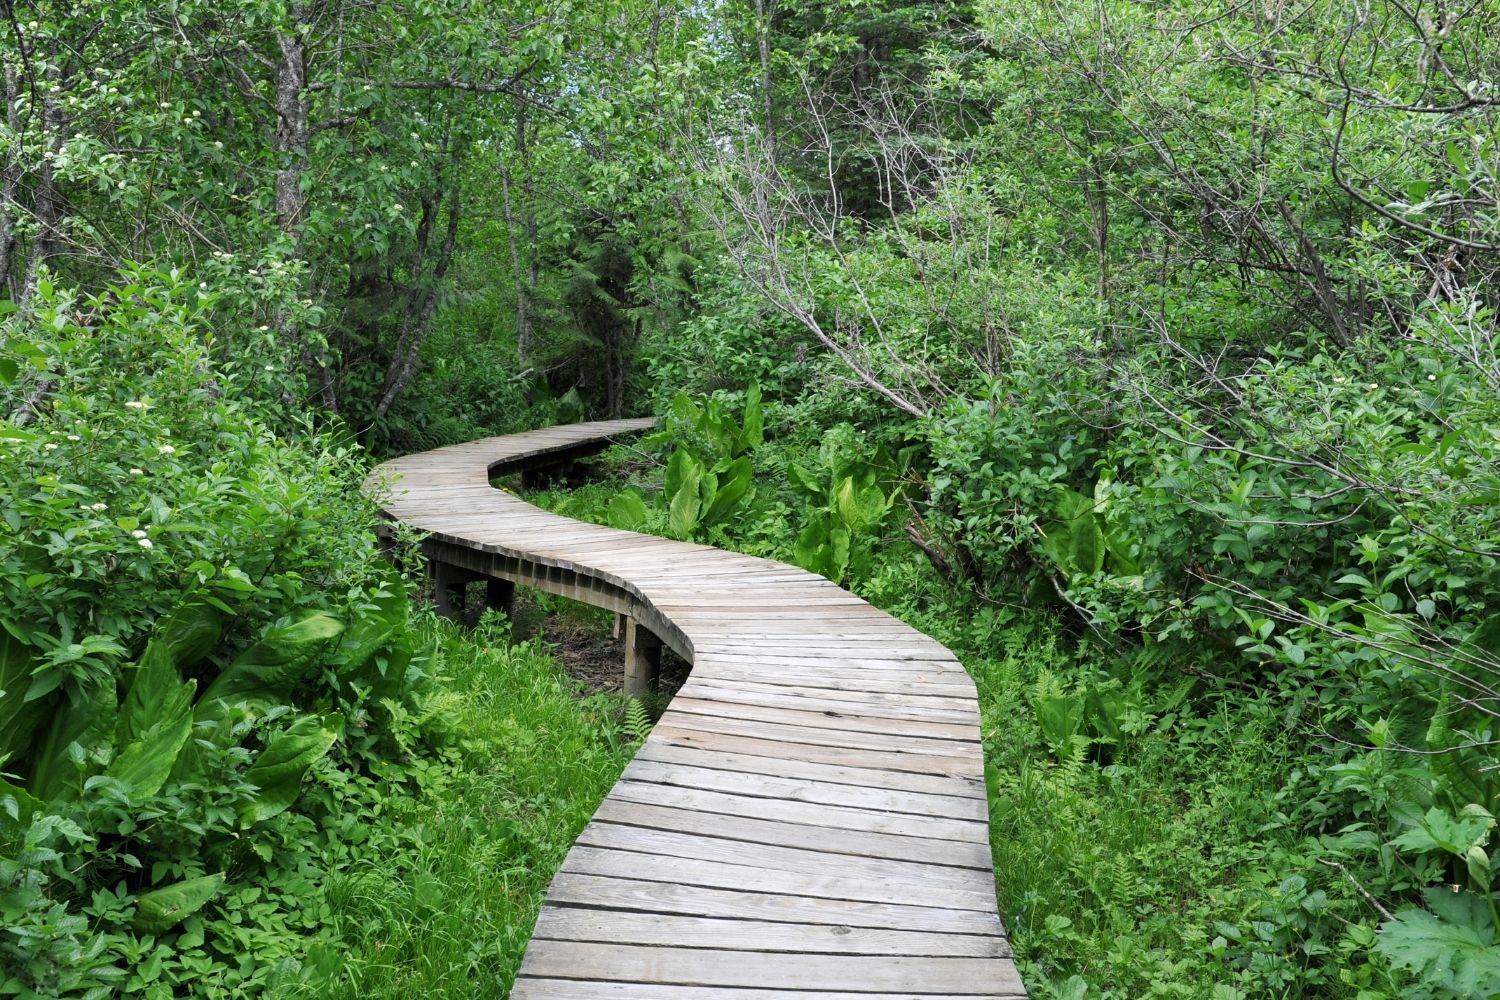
{"type": "Point", "coordinates": [138, 533]}
{"type": "Point", "coordinates": [49, 446]}
{"type": "Point", "coordinates": [164, 105]}
{"type": "Point", "coordinates": [1372, 385]}
{"type": "Point", "coordinates": [144, 543]}
{"type": "Point", "coordinates": [134, 404]}
{"type": "Point", "coordinates": [1432, 378]}
{"type": "Point", "coordinates": [218, 145]}
{"type": "Point", "coordinates": [398, 206]}
{"type": "Point", "coordinates": [98, 506]}
{"type": "Point", "coordinates": [137, 472]}
{"type": "Point", "coordinates": [166, 449]}
{"type": "Point", "coordinates": [74, 437]}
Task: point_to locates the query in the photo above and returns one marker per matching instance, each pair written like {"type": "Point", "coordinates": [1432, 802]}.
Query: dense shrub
{"type": "Point", "coordinates": [194, 617]}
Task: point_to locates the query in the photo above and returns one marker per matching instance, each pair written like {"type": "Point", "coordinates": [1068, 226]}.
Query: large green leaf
{"type": "Point", "coordinates": [277, 772]}
{"type": "Point", "coordinates": [686, 504]}
{"type": "Point", "coordinates": [271, 668]}
{"type": "Point", "coordinates": [1073, 540]}
{"type": "Point", "coordinates": [145, 761]}
{"type": "Point", "coordinates": [627, 511]}
{"type": "Point", "coordinates": [862, 505]}
{"type": "Point", "coordinates": [752, 430]}
{"type": "Point", "coordinates": [86, 717]}
{"type": "Point", "coordinates": [162, 909]}
{"type": "Point", "coordinates": [811, 550]}
{"type": "Point", "coordinates": [18, 721]}
{"type": "Point", "coordinates": [191, 630]}
{"type": "Point", "coordinates": [16, 810]}
{"type": "Point", "coordinates": [805, 481]}
{"type": "Point", "coordinates": [1453, 947]}
{"type": "Point", "coordinates": [680, 466]}
{"type": "Point", "coordinates": [731, 489]}
{"type": "Point", "coordinates": [377, 623]}
{"type": "Point", "coordinates": [183, 637]}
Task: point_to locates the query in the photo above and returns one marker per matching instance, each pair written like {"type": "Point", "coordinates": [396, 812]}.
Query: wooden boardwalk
{"type": "Point", "coordinates": [807, 819]}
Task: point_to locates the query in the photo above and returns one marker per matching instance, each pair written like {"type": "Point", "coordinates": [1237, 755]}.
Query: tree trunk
{"type": "Point", "coordinates": [292, 130]}
{"type": "Point", "coordinates": [763, 42]}
{"type": "Point", "coordinates": [525, 271]}
{"type": "Point", "coordinates": [10, 178]}
{"type": "Point", "coordinates": [44, 207]}
{"type": "Point", "coordinates": [422, 301]}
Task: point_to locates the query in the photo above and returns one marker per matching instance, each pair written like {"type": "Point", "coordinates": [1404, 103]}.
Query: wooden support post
{"type": "Point", "coordinates": [501, 596]}
{"type": "Point", "coordinates": [642, 659]}
{"type": "Point", "coordinates": [449, 580]}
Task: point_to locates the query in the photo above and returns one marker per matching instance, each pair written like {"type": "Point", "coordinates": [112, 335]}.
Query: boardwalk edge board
{"type": "Point", "coordinates": [808, 823]}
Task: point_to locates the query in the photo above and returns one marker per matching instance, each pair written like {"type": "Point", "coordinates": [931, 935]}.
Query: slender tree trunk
{"type": "Point", "coordinates": [421, 303]}
{"type": "Point", "coordinates": [10, 177]}
{"type": "Point", "coordinates": [523, 256]}
{"type": "Point", "coordinates": [44, 206]}
{"type": "Point", "coordinates": [763, 11]}
{"type": "Point", "coordinates": [292, 129]}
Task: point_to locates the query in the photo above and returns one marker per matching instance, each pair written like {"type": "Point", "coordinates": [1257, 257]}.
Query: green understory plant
{"type": "Point", "coordinates": [709, 470]}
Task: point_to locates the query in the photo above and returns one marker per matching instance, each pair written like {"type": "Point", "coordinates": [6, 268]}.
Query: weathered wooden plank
{"type": "Point", "coordinates": [586, 860]}
{"type": "Point", "coordinates": [712, 967]}
{"type": "Point", "coordinates": [848, 703]}
{"type": "Point", "coordinates": [534, 988]}
{"type": "Point", "coordinates": [700, 702]}
{"type": "Point", "coordinates": [883, 743]}
{"type": "Point", "coordinates": [605, 926]}
{"type": "Point", "coordinates": [780, 833]}
{"type": "Point", "coordinates": [761, 903]}
{"type": "Point", "coordinates": [869, 774]}
{"type": "Point", "coordinates": [758, 785]}
{"type": "Point", "coordinates": [826, 861]}
{"type": "Point", "coordinates": [792, 813]}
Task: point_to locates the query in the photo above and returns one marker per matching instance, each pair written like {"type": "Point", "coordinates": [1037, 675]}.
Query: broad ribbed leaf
{"type": "Point", "coordinates": [627, 511]}
{"type": "Point", "coordinates": [375, 626]}
{"type": "Point", "coordinates": [162, 909]}
{"type": "Point", "coordinates": [731, 489]}
{"type": "Point", "coordinates": [144, 763]}
{"type": "Point", "coordinates": [277, 772]}
{"type": "Point", "coordinates": [1453, 946]}
{"type": "Point", "coordinates": [862, 505]}
{"type": "Point", "coordinates": [86, 718]}
{"type": "Point", "coordinates": [269, 669]}
{"type": "Point", "coordinates": [752, 431]}
{"type": "Point", "coordinates": [18, 722]}
{"type": "Point", "coordinates": [680, 466]}
{"type": "Point", "coordinates": [16, 810]}
{"type": "Point", "coordinates": [687, 503]}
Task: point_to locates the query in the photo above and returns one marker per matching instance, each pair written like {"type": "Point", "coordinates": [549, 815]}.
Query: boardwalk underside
{"type": "Point", "coordinates": [808, 817]}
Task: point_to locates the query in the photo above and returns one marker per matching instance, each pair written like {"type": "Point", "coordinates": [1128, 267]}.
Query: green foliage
{"type": "Point", "coordinates": [709, 469]}
{"type": "Point", "coordinates": [847, 504]}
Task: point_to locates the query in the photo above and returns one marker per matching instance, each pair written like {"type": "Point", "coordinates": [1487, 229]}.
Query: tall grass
{"type": "Point", "coordinates": [525, 763]}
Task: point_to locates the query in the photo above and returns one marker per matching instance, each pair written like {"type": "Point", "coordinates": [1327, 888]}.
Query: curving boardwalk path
{"type": "Point", "coordinates": [807, 819]}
